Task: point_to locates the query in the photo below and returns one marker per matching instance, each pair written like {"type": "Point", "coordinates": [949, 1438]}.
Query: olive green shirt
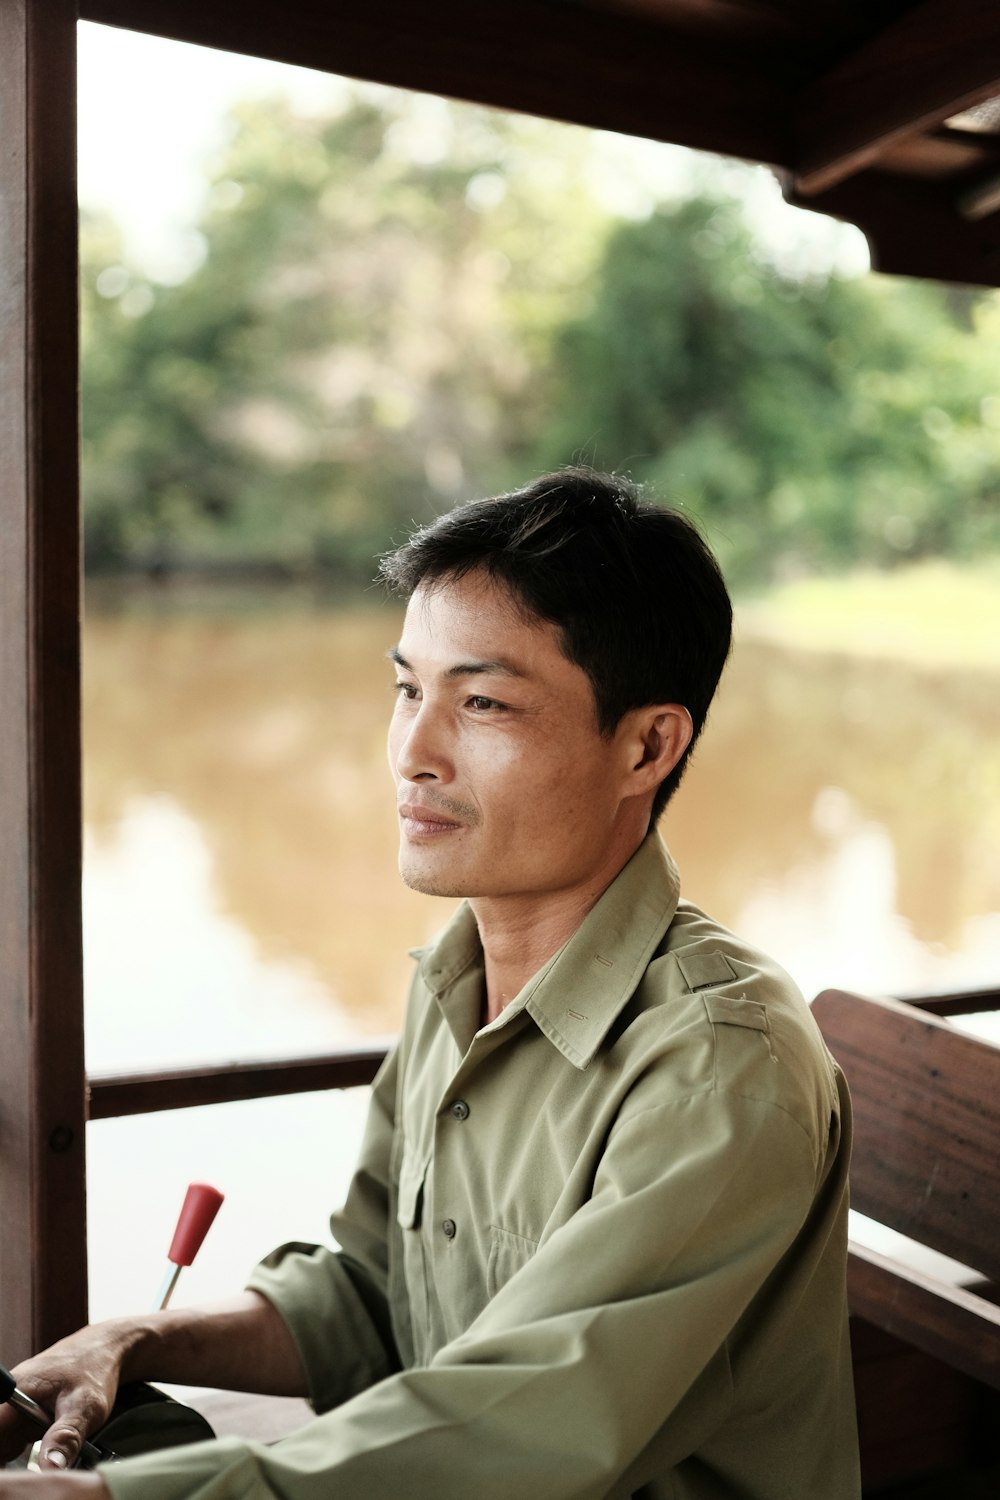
{"type": "Point", "coordinates": [594, 1249]}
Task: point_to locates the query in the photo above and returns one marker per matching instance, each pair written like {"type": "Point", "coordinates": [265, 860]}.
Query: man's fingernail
{"type": "Point", "coordinates": [55, 1457]}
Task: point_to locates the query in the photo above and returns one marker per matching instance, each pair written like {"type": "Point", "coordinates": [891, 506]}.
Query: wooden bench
{"type": "Point", "coordinates": [265, 1419]}
{"type": "Point", "coordinates": [926, 1163]}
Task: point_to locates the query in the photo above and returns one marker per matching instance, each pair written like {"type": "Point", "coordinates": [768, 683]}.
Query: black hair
{"type": "Point", "coordinates": [632, 586]}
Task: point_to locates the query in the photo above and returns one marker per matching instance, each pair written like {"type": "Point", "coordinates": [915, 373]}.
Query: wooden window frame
{"type": "Point", "coordinates": [46, 1098]}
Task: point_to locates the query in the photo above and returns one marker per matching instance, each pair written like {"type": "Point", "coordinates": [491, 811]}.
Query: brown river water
{"type": "Point", "coordinates": [241, 895]}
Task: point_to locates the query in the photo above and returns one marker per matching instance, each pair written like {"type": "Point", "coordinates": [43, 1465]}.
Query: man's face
{"type": "Point", "coordinates": [505, 786]}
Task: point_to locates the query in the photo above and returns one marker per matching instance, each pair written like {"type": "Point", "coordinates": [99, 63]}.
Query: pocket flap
{"type": "Point", "coordinates": [411, 1194]}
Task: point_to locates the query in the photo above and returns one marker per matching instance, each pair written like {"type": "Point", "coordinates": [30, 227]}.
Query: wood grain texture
{"type": "Point", "coordinates": [43, 1269]}
{"type": "Point", "coordinates": [913, 226]}
{"type": "Point", "coordinates": [823, 95]}
{"type": "Point", "coordinates": [917, 1415]}
{"type": "Point", "coordinates": [948, 1322]}
{"type": "Point", "coordinates": [956, 1002]}
{"type": "Point", "coordinates": [925, 1162]}
{"type": "Point", "coordinates": [264, 1419]}
{"type": "Point", "coordinates": [940, 57]}
{"type": "Point", "coordinates": [609, 70]}
{"type": "Point", "coordinates": [113, 1094]}
{"type": "Point", "coordinates": [926, 1127]}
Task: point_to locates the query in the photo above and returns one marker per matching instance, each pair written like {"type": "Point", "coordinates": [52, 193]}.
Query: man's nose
{"type": "Point", "coordinates": [422, 752]}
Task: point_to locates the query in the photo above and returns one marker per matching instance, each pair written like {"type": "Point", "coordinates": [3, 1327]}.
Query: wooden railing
{"type": "Point", "coordinates": [955, 1002]}
{"type": "Point", "coordinates": [112, 1094]}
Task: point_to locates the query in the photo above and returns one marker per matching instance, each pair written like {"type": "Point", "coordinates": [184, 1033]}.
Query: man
{"type": "Point", "coordinates": [595, 1244]}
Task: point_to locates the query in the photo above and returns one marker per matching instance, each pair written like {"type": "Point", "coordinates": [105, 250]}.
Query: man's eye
{"type": "Point", "coordinates": [407, 690]}
{"type": "Point", "coordinates": [484, 705]}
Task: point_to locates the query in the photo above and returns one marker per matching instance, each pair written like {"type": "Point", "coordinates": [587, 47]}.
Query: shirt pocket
{"type": "Point", "coordinates": [508, 1253]}
{"type": "Point", "coordinates": [410, 1198]}
{"type": "Point", "coordinates": [408, 1289]}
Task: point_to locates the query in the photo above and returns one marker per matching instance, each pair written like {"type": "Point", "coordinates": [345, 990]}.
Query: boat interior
{"type": "Point", "coordinates": [885, 113]}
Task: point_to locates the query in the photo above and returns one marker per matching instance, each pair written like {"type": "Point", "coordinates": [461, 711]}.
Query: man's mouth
{"type": "Point", "coordinates": [426, 820]}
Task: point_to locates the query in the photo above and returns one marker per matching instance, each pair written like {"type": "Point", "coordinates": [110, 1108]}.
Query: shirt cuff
{"type": "Point", "coordinates": [312, 1291]}
{"type": "Point", "coordinates": [223, 1470]}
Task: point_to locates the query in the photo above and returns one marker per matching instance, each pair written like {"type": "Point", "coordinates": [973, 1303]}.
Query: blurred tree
{"type": "Point", "coordinates": [359, 346]}
{"type": "Point", "coordinates": [809, 423]}
{"type": "Point", "coordinates": [412, 302]}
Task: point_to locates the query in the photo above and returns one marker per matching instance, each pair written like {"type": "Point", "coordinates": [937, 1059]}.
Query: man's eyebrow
{"type": "Point", "coordinates": [494, 666]}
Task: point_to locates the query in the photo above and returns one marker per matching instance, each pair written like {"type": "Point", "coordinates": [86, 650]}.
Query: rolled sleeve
{"type": "Point", "coordinates": [335, 1303]}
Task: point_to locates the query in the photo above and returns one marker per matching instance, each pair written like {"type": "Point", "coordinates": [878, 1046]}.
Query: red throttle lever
{"type": "Point", "coordinates": [200, 1206]}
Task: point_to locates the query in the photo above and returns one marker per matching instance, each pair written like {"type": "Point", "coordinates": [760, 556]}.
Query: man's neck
{"type": "Point", "coordinates": [521, 933]}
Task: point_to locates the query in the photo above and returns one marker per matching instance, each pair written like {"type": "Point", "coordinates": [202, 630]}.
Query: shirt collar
{"type": "Point", "coordinates": [576, 996]}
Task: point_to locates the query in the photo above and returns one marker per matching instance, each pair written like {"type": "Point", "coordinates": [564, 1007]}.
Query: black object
{"type": "Point", "coordinates": [144, 1419]}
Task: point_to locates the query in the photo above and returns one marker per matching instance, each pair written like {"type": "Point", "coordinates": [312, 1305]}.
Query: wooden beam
{"type": "Point", "coordinates": [609, 70]}
{"type": "Point", "coordinates": [914, 227]}
{"type": "Point", "coordinates": [43, 1266]}
{"type": "Point", "coordinates": [926, 1118]}
{"type": "Point", "coordinates": [948, 1322]}
{"type": "Point", "coordinates": [112, 1094]}
{"type": "Point", "coordinates": [941, 57]}
{"type": "Point", "coordinates": [955, 1003]}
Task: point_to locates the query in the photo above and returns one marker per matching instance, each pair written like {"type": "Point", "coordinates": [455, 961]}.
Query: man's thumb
{"type": "Point", "coordinates": [61, 1445]}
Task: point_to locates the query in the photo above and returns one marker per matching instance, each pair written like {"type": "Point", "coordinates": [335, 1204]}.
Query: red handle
{"type": "Point", "coordinates": [201, 1204]}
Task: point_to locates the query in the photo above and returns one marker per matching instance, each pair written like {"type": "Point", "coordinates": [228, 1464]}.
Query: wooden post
{"type": "Point", "coordinates": [43, 1267]}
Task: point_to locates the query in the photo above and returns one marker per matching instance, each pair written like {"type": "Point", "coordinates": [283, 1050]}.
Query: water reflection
{"type": "Point", "coordinates": [196, 982]}
{"type": "Point", "coordinates": [240, 885]}
{"type": "Point", "coordinates": [844, 813]}
{"type": "Point", "coordinates": [265, 733]}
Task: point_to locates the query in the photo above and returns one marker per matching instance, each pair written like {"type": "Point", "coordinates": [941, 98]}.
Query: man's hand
{"type": "Point", "coordinates": [76, 1380]}
{"type": "Point", "coordinates": [241, 1344]}
{"type": "Point", "coordinates": [19, 1485]}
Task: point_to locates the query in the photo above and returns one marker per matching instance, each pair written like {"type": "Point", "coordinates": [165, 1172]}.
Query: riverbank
{"type": "Point", "coordinates": [936, 613]}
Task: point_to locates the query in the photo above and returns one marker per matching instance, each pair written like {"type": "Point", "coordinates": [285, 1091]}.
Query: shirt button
{"type": "Point", "coordinates": [449, 1229]}
{"type": "Point", "coordinates": [460, 1109]}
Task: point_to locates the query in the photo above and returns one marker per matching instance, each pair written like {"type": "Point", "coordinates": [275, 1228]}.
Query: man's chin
{"type": "Point", "coordinates": [428, 881]}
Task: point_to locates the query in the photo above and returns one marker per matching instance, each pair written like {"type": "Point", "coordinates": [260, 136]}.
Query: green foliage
{"type": "Point", "coordinates": [808, 424]}
{"type": "Point", "coordinates": [358, 348]}
{"type": "Point", "coordinates": [411, 303]}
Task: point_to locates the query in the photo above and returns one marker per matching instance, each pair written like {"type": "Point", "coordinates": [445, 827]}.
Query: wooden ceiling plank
{"type": "Point", "coordinates": [913, 227]}
{"type": "Point", "coordinates": [608, 71]}
{"type": "Point", "coordinates": [939, 59]}
{"type": "Point", "coordinates": [981, 200]}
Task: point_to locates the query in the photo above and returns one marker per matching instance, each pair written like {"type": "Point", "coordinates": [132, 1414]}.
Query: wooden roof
{"type": "Point", "coordinates": [884, 112]}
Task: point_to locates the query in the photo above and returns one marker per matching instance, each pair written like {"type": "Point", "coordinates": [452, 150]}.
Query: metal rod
{"type": "Point", "coordinates": [30, 1407]}
{"type": "Point", "coordinates": [167, 1289]}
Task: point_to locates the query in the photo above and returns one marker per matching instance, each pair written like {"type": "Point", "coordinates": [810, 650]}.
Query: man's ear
{"type": "Point", "coordinates": [656, 738]}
